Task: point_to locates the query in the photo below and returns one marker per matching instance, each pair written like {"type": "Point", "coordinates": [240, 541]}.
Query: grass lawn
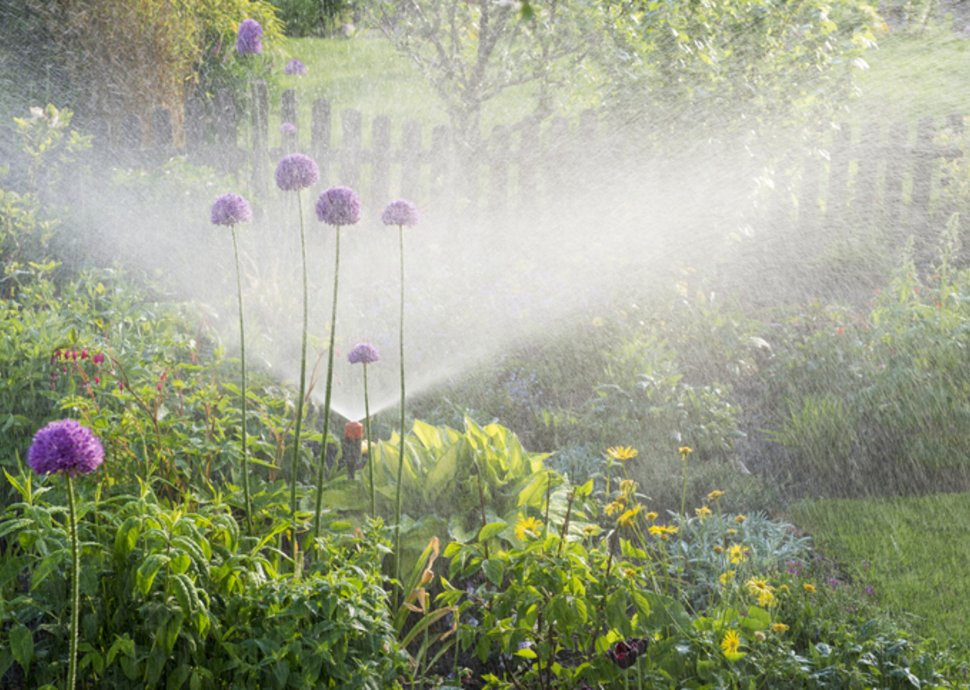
{"type": "Point", "coordinates": [914, 552]}
{"type": "Point", "coordinates": [911, 76]}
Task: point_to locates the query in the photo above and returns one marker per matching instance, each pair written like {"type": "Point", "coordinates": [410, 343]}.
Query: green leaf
{"type": "Point", "coordinates": [526, 653]}
{"type": "Point", "coordinates": [147, 571]}
{"type": "Point", "coordinates": [494, 570]}
{"type": "Point", "coordinates": [492, 529]}
{"type": "Point", "coordinates": [49, 564]}
{"type": "Point", "coordinates": [22, 645]}
{"type": "Point", "coordinates": [427, 434]}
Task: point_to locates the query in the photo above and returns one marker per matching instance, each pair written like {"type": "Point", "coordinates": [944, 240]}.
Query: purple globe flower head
{"type": "Point", "coordinates": [296, 67]}
{"type": "Point", "coordinates": [249, 39]}
{"type": "Point", "coordinates": [230, 209]}
{"type": "Point", "coordinates": [363, 353]}
{"type": "Point", "coordinates": [295, 172]}
{"type": "Point", "coordinates": [339, 206]}
{"type": "Point", "coordinates": [65, 446]}
{"type": "Point", "coordinates": [288, 128]}
{"type": "Point", "coordinates": [400, 212]}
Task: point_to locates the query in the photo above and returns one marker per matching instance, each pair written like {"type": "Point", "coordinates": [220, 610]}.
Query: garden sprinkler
{"type": "Point", "coordinates": [353, 436]}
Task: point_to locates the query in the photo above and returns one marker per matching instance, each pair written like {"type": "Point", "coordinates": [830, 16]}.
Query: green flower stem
{"type": "Point", "coordinates": [75, 584]}
{"type": "Point", "coordinates": [299, 400]}
{"type": "Point", "coordinates": [370, 448]}
{"type": "Point", "coordinates": [401, 451]}
{"type": "Point", "coordinates": [326, 399]}
{"type": "Point", "coordinates": [242, 357]}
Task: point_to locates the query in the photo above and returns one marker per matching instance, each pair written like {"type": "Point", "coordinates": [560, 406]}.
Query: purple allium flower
{"type": "Point", "coordinates": [249, 40]}
{"type": "Point", "coordinates": [400, 212]}
{"type": "Point", "coordinates": [339, 206]}
{"type": "Point", "coordinates": [230, 209]}
{"type": "Point", "coordinates": [294, 66]}
{"type": "Point", "coordinates": [295, 172]}
{"type": "Point", "coordinates": [363, 353]}
{"type": "Point", "coordinates": [288, 128]}
{"type": "Point", "coordinates": [65, 446]}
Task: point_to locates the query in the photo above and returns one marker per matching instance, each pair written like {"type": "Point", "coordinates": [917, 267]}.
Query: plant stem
{"type": "Point", "coordinates": [75, 585]}
{"type": "Point", "coordinates": [401, 451]}
{"type": "Point", "coordinates": [302, 395]}
{"type": "Point", "coordinates": [370, 448]}
{"type": "Point", "coordinates": [326, 399]}
{"type": "Point", "coordinates": [242, 357]}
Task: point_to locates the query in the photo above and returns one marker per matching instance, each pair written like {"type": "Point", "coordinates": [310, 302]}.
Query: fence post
{"type": "Point", "coordinates": [380, 159]}
{"type": "Point", "coordinates": [260, 148]}
{"type": "Point", "coordinates": [163, 143]}
{"type": "Point", "coordinates": [350, 147]}
{"type": "Point", "coordinates": [288, 113]}
{"type": "Point", "coordinates": [411, 160]}
{"type": "Point", "coordinates": [320, 137]}
{"type": "Point", "coordinates": [194, 125]}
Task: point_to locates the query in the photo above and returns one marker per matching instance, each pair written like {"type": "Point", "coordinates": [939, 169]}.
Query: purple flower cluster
{"type": "Point", "coordinates": [288, 128]}
{"type": "Point", "coordinates": [400, 212]}
{"type": "Point", "coordinates": [296, 67]}
{"type": "Point", "coordinates": [295, 172]}
{"type": "Point", "coordinates": [249, 39]}
{"type": "Point", "coordinates": [339, 206]}
{"type": "Point", "coordinates": [363, 353]}
{"type": "Point", "coordinates": [65, 446]}
{"type": "Point", "coordinates": [230, 209]}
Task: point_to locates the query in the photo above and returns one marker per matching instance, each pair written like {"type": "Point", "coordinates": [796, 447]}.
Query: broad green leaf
{"type": "Point", "coordinates": [145, 575]}
{"type": "Point", "coordinates": [494, 570]}
{"type": "Point", "coordinates": [492, 529]}
{"type": "Point", "coordinates": [22, 645]}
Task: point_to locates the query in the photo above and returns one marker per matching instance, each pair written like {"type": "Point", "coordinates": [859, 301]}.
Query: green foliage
{"type": "Point", "coordinates": [876, 400]}
{"type": "Point", "coordinates": [693, 67]}
{"type": "Point", "coordinates": [166, 46]}
{"type": "Point", "coordinates": [313, 17]}
{"type": "Point", "coordinates": [176, 596]}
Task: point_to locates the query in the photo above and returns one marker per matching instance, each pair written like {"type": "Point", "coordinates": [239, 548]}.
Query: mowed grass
{"type": "Point", "coordinates": [914, 76]}
{"type": "Point", "coordinates": [913, 551]}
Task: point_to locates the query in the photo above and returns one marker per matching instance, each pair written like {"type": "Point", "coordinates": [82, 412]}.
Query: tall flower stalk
{"type": "Point", "coordinates": [295, 173]}
{"type": "Point", "coordinates": [364, 354]}
{"type": "Point", "coordinates": [337, 206]}
{"type": "Point", "coordinates": [232, 209]}
{"type": "Point", "coordinates": [71, 449]}
{"type": "Point", "coordinates": [400, 213]}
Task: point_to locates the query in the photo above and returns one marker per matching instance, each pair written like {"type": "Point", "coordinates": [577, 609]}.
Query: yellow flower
{"type": "Point", "coordinates": [759, 636]}
{"type": "Point", "coordinates": [627, 486]}
{"type": "Point", "coordinates": [626, 519]}
{"type": "Point", "coordinates": [651, 516]}
{"type": "Point", "coordinates": [662, 531]}
{"type": "Point", "coordinates": [621, 453]}
{"type": "Point", "coordinates": [784, 589]}
{"type": "Point", "coordinates": [718, 548]}
{"type": "Point", "coordinates": [731, 645]}
{"type": "Point", "coordinates": [685, 452]}
{"type": "Point", "coordinates": [616, 506]}
{"type": "Point", "coordinates": [630, 572]}
{"type": "Point", "coordinates": [760, 589]}
{"type": "Point", "coordinates": [779, 628]}
{"type": "Point", "coordinates": [809, 587]}
{"type": "Point", "coordinates": [702, 512]}
{"type": "Point", "coordinates": [726, 577]}
{"type": "Point", "coordinates": [740, 518]}
{"type": "Point", "coordinates": [714, 495]}
{"type": "Point", "coordinates": [737, 553]}
{"type": "Point", "coordinates": [731, 532]}
{"type": "Point", "coordinates": [527, 526]}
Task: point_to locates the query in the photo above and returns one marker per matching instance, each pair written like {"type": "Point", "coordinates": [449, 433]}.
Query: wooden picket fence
{"type": "Point", "coordinates": [883, 173]}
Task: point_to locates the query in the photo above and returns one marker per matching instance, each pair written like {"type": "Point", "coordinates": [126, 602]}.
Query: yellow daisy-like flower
{"type": "Point", "coordinates": [779, 628]}
{"type": "Point", "coordinates": [731, 645]}
{"type": "Point", "coordinates": [685, 452]}
{"type": "Point", "coordinates": [527, 526]}
{"type": "Point", "coordinates": [809, 587]}
{"type": "Point", "coordinates": [663, 531]}
{"type": "Point", "coordinates": [737, 553]}
{"type": "Point", "coordinates": [740, 518]}
{"type": "Point", "coordinates": [614, 507]}
{"type": "Point", "coordinates": [732, 532]}
{"type": "Point", "coordinates": [627, 487]}
{"type": "Point", "coordinates": [726, 577]}
{"type": "Point", "coordinates": [651, 516]}
{"type": "Point", "coordinates": [760, 589]}
{"type": "Point", "coordinates": [627, 518]}
{"type": "Point", "coordinates": [702, 512]}
{"type": "Point", "coordinates": [718, 548]}
{"type": "Point", "coordinates": [622, 453]}
{"type": "Point", "coordinates": [714, 495]}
